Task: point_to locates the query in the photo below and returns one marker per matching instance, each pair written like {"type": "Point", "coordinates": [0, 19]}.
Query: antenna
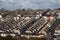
{"type": "Point", "coordinates": [24, 4]}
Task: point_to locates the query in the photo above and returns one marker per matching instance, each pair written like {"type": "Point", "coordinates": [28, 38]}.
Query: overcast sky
{"type": "Point", "coordinates": [34, 4]}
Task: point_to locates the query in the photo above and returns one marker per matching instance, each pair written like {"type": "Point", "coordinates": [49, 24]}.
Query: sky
{"type": "Point", "coordinates": [33, 4]}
